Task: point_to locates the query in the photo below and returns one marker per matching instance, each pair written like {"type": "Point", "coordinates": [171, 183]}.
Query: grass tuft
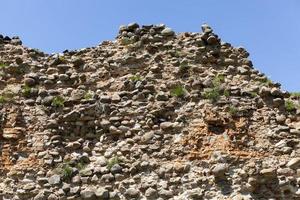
{"type": "Point", "coordinates": [112, 162]}
{"type": "Point", "coordinates": [58, 101]}
{"type": "Point", "coordinates": [178, 91]}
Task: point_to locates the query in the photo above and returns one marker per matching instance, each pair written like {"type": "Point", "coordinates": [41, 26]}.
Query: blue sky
{"type": "Point", "coordinates": [268, 29]}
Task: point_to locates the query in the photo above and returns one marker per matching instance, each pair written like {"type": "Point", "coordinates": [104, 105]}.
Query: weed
{"type": "Point", "coordinates": [58, 101]}
{"type": "Point", "coordinates": [266, 82]}
{"type": "Point", "coordinates": [253, 94]}
{"type": "Point", "coordinates": [112, 162]}
{"type": "Point", "coordinates": [135, 78]}
{"type": "Point", "coordinates": [218, 80]}
{"type": "Point", "coordinates": [2, 99]}
{"type": "Point", "coordinates": [178, 91]}
{"type": "Point", "coordinates": [233, 111]}
{"type": "Point", "coordinates": [88, 96]}
{"type": "Point", "coordinates": [2, 65]}
{"type": "Point", "coordinates": [80, 165]}
{"type": "Point", "coordinates": [26, 91]}
{"type": "Point", "coordinates": [184, 67]}
{"type": "Point", "coordinates": [213, 94]}
{"type": "Point", "coordinates": [126, 41]}
{"type": "Point", "coordinates": [289, 105]}
{"type": "Point", "coordinates": [62, 59]}
{"type": "Point", "coordinates": [226, 93]}
{"type": "Point", "coordinates": [295, 94]}
{"type": "Point", "coordinates": [67, 172]}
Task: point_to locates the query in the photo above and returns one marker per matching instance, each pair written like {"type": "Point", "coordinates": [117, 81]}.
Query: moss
{"type": "Point", "coordinates": [135, 78]}
{"type": "Point", "coordinates": [88, 96]}
{"type": "Point", "coordinates": [212, 94]}
{"type": "Point", "coordinates": [233, 111]}
{"type": "Point", "coordinates": [184, 67]}
{"type": "Point", "coordinates": [253, 94]}
{"type": "Point", "coordinates": [2, 99]}
{"type": "Point", "coordinates": [226, 93]}
{"type": "Point", "coordinates": [2, 65]}
{"type": "Point", "coordinates": [58, 101]}
{"type": "Point", "coordinates": [26, 91]}
{"type": "Point", "coordinates": [112, 162]}
{"type": "Point", "coordinates": [126, 41]}
{"type": "Point", "coordinates": [178, 91]}
{"type": "Point", "coordinates": [80, 165]}
{"type": "Point", "coordinates": [67, 172]}
{"type": "Point", "coordinates": [215, 92]}
{"type": "Point", "coordinates": [266, 82]}
{"type": "Point", "coordinates": [295, 94]}
{"type": "Point", "coordinates": [289, 105]}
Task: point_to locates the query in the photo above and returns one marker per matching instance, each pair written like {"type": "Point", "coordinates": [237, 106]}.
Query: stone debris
{"type": "Point", "coordinates": [153, 114]}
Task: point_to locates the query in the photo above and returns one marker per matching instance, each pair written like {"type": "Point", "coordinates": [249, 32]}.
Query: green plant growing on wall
{"type": "Point", "coordinates": [178, 91]}
{"type": "Point", "coordinates": [26, 91]}
{"type": "Point", "coordinates": [214, 93]}
{"type": "Point", "coordinates": [289, 105]}
{"type": "Point", "coordinates": [88, 96]}
{"type": "Point", "coordinates": [112, 162]}
{"type": "Point", "coordinates": [135, 78]}
{"type": "Point", "coordinates": [58, 101]}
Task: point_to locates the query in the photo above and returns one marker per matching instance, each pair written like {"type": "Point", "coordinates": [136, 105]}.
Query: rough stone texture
{"type": "Point", "coordinates": [151, 115]}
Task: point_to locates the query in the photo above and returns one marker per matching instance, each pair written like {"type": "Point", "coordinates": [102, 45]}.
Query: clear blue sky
{"type": "Point", "coordinates": [268, 29]}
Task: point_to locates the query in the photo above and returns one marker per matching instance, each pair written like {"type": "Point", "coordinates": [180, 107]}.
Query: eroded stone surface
{"type": "Point", "coordinates": [151, 115]}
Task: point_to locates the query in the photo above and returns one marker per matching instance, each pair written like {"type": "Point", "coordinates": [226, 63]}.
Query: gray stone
{"type": "Point", "coordinates": [107, 178]}
{"type": "Point", "coordinates": [161, 96]}
{"type": "Point", "coordinates": [270, 172]}
{"type": "Point", "coordinates": [167, 32]}
{"type": "Point", "coordinates": [151, 193]}
{"type": "Point", "coordinates": [54, 180]}
{"type": "Point", "coordinates": [219, 170]}
{"type": "Point", "coordinates": [86, 172]}
{"type": "Point", "coordinates": [294, 163]}
{"type": "Point", "coordinates": [166, 125]}
{"type": "Point", "coordinates": [88, 193]}
{"type": "Point", "coordinates": [206, 28]}
{"type": "Point", "coordinates": [116, 168]}
{"type": "Point", "coordinates": [75, 190]}
{"type": "Point", "coordinates": [102, 193]}
{"type": "Point", "coordinates": [29, 82]}
{"type": "Point", "coordinates": [165, 194]}
{"type": "Point", "coordinates": [132, 193]}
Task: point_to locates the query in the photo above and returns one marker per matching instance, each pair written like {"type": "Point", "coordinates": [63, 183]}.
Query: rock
{"type": "Point", "coordinates": [166, 125]}
{"type": "Point", "coordinates": [54, 180]}
{"type": "Point", "coordinates": [151, 193]}
{"type": "Point", "coordinates": [13, 133]}
{"type": "Point", "coordinates": [132, 193]}
{"type": "Point", "coordinates": [219, 170]}
{"type": "Point", "coordinates": [167, 32]}
{"type": "Point", "coordinates": [212, 40]}
{"type": "Point", "coordinates": [29, 82]}
{"type": "Point", "coordinates": [132, 26]}
{"type": "Point", "coordinates": [75, 190]}
{"type": "Point", "coordinates": [102, 193]}
{"type": "Point", "coordinates": [88, 193]}
{"type": "Point", "coordinates": [86, 172]}
{"type": "Point", "coordinates": [107, 178]}
{"type": "Point", "coordinates": [116, 168]}
{"type": "Point", "coordinates": [206, 28]}
{"type": "Point", "coordinates": [270, 172]}
{"type": "Point", "coordinates": [294, 163]}
{"type": "Point", "coordinates": [66, 187]}
{"type": "Point", "coordinates": [165, 194]}
{"type": "Point", "coordinates": [53, 197]}
{"type": "Point", "coordinates": [162, 97]}
{"type": "Point", "coordinates": [29, 186]}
